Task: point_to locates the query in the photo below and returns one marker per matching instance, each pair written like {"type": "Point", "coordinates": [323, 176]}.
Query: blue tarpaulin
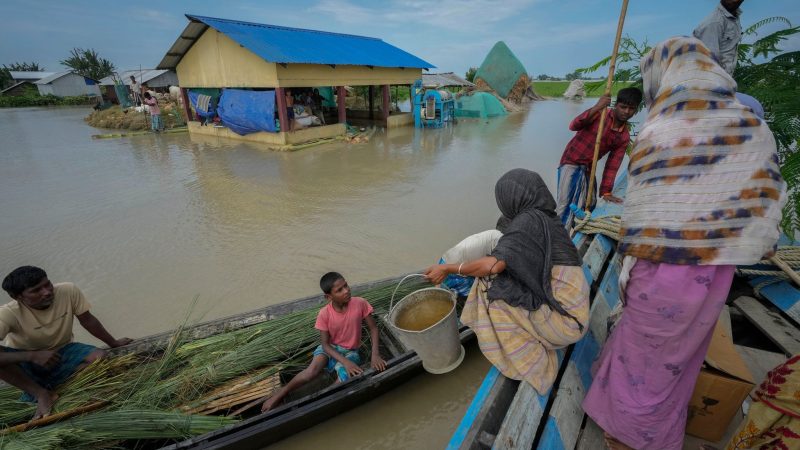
{"type": "Point", "coordinates": [246, 112]}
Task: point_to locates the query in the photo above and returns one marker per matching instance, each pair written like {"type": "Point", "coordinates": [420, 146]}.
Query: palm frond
{"type": "Point", "coordinates": [769, 44]}
{"type": "Point", "coordinates": [753, 29]}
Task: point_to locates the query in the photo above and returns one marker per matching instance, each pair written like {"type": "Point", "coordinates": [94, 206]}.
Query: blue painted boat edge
{"type": "Point", "coordinates": [474, 408]}
{"type": "Point", "coordinates": [551, 438]}
{"type": "Point", "coordinates": [781, 294]}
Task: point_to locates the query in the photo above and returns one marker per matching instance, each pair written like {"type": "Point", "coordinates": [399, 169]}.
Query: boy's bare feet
{"type": "Point", "coordinates": [614, 444]}
{"type": "Point", "coordinates": [44, 404]}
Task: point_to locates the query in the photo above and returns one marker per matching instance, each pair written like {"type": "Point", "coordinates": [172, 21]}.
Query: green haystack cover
{"type": "Point", "coordinates": [501, 69]}
{"type": "Point", "coordinates": [479, 104]}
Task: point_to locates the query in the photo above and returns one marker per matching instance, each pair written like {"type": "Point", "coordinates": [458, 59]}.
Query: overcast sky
{"type": "Point", "coordinates": [548, 36]}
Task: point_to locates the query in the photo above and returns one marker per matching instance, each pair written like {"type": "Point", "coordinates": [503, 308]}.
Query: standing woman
{"type": "Point", "coordinates": [530, 296]}
{"type": "Point", "coordinates": [704, 195]}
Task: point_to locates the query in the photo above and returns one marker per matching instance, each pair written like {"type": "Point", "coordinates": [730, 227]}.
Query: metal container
{"type": "Point", "coordinates": [438, 345]}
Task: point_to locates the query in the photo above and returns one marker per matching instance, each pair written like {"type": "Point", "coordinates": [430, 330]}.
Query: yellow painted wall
{"type": "Point", "coordinates": [307, 75]}
{"type": "Point", "coordinates": [215, 60]}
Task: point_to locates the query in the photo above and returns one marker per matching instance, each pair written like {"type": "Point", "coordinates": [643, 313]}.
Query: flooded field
{"type": "Point", "coordinates": [146, 225]}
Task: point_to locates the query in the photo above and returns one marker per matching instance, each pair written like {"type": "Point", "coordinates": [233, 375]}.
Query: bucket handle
{"type": "Point", "coordinates": [391, 302]}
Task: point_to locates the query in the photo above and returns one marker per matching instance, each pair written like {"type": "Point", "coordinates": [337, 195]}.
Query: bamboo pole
{"type": "Point", "coordinates": [46, 420]}
{"type": "Point", "coordinates": [786, 268]}
{"type": "Point", "coordinates": [611, 69]}
{"type": "Point", "coordinates": [246, 407]}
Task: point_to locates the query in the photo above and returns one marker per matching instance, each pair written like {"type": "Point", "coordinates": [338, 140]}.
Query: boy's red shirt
{"type": "Point", "coordinates": [580, 149]}
{"type": "Point", "coordinates": [344, 328]}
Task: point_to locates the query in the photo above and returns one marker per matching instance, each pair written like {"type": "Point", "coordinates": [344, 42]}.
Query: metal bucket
{"type": "Point", "coordinates": [438, 345]}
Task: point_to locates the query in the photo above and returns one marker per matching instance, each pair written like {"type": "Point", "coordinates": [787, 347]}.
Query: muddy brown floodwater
{"type": "Point", "coordinates": [145, 225]}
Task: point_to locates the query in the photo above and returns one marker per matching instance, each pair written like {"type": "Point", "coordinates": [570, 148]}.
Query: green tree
{"type": "Point", "coordinates": [5, 78]}
{"type": "Point", "coordinates": [628, 56]}
{"type": "Point", "coordinates": [573, 76]}
{"type": "Point", "coordinates": [89, 64]}
{"type": "Point", "coordinates": [24, 67]}
{"type": "Point", "coordinates": [470, 75]}
{"type": "Point", "coordinates": [5, 75]}
{"type": "Point", "coordinates": [764, 71]}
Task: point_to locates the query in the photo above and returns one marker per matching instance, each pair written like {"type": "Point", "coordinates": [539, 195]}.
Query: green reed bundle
{"type": "Point", "coordinates": [90, 430]}
{"type": "Point", "coordinates": [144, 391]}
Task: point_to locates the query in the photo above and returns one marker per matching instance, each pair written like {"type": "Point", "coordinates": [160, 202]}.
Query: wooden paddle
{"type": "Point", "coordinates": [611, 69]}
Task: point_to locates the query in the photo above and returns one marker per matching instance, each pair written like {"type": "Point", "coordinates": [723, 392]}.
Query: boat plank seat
{"type": "Point", "coordinates": [566, 416]}
{"type": "Point", "coordinates": [779, 330]}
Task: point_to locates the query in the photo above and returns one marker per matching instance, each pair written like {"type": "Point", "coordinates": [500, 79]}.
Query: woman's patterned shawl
{"type": "Point", "coordinates": [704, 185]}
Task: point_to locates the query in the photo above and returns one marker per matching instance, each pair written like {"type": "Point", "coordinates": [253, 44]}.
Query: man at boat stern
{"type": "Point", "coordinates": [576, 161]}
{"type": "Point", "coordinates": [36, 327]}
{"type": "Point", "coordinates": [339, 324]}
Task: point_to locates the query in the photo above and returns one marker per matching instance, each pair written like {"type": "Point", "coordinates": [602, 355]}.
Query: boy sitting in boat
{"type": "Point", "coordinates": [339, 325]}
{"type": "Point", "coordinates": [37, 353]}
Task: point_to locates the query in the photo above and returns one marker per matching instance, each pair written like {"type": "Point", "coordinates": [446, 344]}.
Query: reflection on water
{"type": "Point", "coordinates": [145, 224]}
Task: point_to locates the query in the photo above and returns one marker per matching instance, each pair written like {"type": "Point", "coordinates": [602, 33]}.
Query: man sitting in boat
{"type": "Point", "coordinates": [530, 296]}
{"type": "Point", "coordinates": [576, 162]}
{"type": "Point", "coordinates": [339, 325]}
{"type": "Point", "coordinates": [37, 352]}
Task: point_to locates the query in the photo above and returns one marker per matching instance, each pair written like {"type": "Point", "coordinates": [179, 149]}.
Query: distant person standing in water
{"type": "Point", "coordinates": [155, 112]}
{"type": "Point", "coordinates": [721, 32]}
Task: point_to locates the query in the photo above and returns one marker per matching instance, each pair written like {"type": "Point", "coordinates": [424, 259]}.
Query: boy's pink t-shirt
{"type": "Point", "coordinates": [344, 327]}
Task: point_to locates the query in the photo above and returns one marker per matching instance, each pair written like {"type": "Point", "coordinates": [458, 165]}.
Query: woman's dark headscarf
{"type": "Point", "coordinates": [534, 240]}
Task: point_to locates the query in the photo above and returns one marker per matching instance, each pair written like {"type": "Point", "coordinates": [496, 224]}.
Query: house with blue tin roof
{"type": "Point", "coordinates": [249, 61]}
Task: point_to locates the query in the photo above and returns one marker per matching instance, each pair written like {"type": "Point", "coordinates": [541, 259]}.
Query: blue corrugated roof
{"type": "Point", "coordinates": [294, 45]}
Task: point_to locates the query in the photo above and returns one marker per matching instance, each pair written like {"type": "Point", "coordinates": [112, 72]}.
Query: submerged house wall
{"type": "Point", "coordinates": [215, 60]}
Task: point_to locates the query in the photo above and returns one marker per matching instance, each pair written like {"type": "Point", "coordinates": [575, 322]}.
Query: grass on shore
{"type": "Point", "coordinates": [557, 88]}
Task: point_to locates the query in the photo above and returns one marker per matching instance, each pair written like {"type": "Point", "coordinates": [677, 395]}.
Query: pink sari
{"type": "Point", "coordinates": [650, 363]}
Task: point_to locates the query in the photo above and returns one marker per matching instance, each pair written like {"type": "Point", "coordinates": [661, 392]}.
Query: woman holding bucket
{"type": "Point", "coordinates": [530, 297]}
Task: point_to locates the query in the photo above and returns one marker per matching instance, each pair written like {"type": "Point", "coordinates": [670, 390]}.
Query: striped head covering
{"type": "Point", "coordinates": [704, 185]}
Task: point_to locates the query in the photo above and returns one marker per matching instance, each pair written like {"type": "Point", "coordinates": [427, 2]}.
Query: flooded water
{"type": "Point", "coordinates": [144, 225]}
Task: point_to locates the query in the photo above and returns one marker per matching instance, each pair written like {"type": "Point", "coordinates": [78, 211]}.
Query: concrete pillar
{"type": "Point", "coordinates": [387, 103]}
{"type": "Point", "coordinates": [187, 109]}
{"type": "Point", "coordinates": [280, 104]}
{"type": "Point", "coordinates": [341, 93]}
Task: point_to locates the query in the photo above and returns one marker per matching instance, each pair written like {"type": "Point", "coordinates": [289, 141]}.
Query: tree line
{"type": "Point", "coordinates": [85, 62]}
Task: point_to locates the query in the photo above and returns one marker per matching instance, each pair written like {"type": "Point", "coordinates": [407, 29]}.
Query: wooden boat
{"type": "Point", "coordinates": [309, 408]}
{"type": "Point", "coordinates": [507, 414]}
{"type": "Point", "coordinates": [307, 411]}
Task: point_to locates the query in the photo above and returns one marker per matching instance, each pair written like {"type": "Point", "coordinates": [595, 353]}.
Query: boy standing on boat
{"type": "Point", "coordinates": [339, 325]}
{"type": "Point", "coordinates": [37, 353]}
{"type": "Point", "coordinates": [576, 162]}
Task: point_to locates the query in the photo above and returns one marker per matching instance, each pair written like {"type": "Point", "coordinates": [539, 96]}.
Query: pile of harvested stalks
{"type": "Point", "coordinates": [167, 395]}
